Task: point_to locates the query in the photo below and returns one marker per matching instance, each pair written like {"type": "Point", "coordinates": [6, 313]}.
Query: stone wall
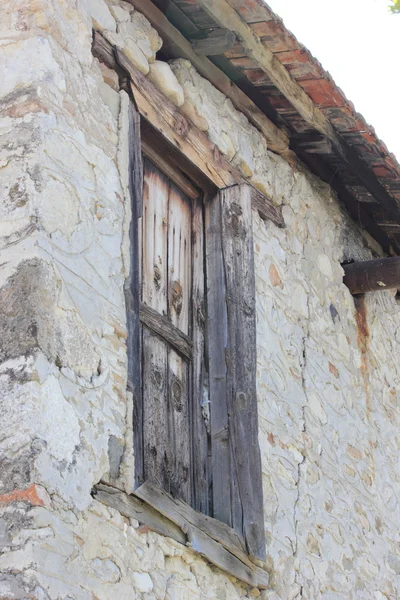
{"type": "Point", "coordinates": [328, 374]}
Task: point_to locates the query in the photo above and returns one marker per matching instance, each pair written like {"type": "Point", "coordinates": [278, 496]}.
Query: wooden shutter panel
{"type": "Point", "coordinates": [172, 315]}
{"type": "Point", "coordinates": [236, 460]}
{"type": "Point", "coordinates": [131, 288]}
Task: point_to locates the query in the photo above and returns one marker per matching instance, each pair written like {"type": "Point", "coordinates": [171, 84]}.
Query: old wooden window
{"type": "Point", "coordinates": [172, 315]}
{"type": "Point", "coordinates": [196, 428]}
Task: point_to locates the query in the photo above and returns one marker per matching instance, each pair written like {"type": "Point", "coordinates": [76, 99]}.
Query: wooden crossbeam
{"type": "Point", "coordinates": [372, 275]}
{"type": "Point", "coordinates": [177, 46]}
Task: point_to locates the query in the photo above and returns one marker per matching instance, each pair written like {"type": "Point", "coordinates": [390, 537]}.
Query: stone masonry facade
{"type": "Point", "coordinates": [328, 370]}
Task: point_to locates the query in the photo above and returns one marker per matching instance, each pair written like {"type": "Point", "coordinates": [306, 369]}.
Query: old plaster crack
{"type": "Point", "coordinates": [301, 465]}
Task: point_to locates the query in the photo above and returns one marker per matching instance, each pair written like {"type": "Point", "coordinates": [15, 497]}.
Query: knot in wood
{"type": "Point", "coordinates": [176, 394]}
{"type": "Point", "coordinates": [181, 125]}
{"type": "Point", "coordinates": [157, 277]}
{"type": "Point", "coordinates": [241, 401]}
{"type": "Point", "coordinates": [235, 221]}
{"type": "Point", "coordinates": [157, 379]}
{"type": "Point", "coordinates": [176, 297]}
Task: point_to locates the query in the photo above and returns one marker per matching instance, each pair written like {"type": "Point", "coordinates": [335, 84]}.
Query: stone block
{"type": "Point", "coordinates": [164, 79]}
{"type": "Point", "coordinates": [101, 15]}
{"type": "Point", "coordinates": [110, 97]}
{"type": "Point", "coordinates": [136, 55]}
{"type": "Point", "coordinates": [120, 14]}
{"type": "Point", "coordinates": [110, 77]}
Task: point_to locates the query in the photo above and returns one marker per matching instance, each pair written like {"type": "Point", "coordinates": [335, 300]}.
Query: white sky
{"type": "Point", "coordinates": [358, 42]}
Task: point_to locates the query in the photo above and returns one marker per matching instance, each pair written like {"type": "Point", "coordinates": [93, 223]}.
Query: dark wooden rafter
{"type": "Point", "coordinates": [263, 57]}
{"type": "Point", "coordinates": [218, 41]}
{"type": "Point", "coordinates": [372, 275]}
{"type": "Point", "coordinates": [177, 46]}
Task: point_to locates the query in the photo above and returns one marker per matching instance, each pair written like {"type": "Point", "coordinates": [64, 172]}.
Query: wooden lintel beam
{"type": "Point", "coordinates": [372, 275]}
{"type": "Point", "coordinates": [177, 46]}
{"type": "Point", "coordinates": [225, 16]}
{"type": "Point", "coordinates": [217, 42]}
{"type": "Point", "coordinates": [194, 145]}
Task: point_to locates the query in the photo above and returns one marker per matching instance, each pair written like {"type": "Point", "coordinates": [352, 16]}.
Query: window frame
{"type": "Point", "coordinates": [237, 499]}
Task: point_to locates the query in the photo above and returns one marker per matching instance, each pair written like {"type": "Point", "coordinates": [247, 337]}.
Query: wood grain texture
{"type": "Point", "coordinates": [179, 258]}
{"type": "Point", "coordinates": [225, 16]}
{"type": "Point", "coordinates": [217, 42]}
{"type": "Point", "coordinates": [132, 286]}
{"type": "Point", "coordinates": [132, 507]}
{"type": "Point", "coordinates": [177, 46]}
{"type": "Point", "coordinates": [165, 330]}
{"type": "Point", "coordinates": [217, 327]}
{"type": "Point", "coordinates": [199, 378]}
{"type": "Point", "coordinates": [169, 168]}
{"type": "Point", "coordinates": [180, 483]}
{"type": "Point", "coordinates": [219, 556]}
{"type": "Point", "coordinates": [192, 151]}
{"type": "Point", "coordinates": [157, 452]}
{"type": "Point", "coordinates": [155, 239]}
{"type": "Point", "coordinates": [372, 275]}
{"type": "Point", "coordinates": [152, 506]}
{"type": "Point", "coordinates": [266, 210]}
{"type": "Point", "coordinates": [238, 257]}
{"type": "Point", "coordinates": [185, 516]}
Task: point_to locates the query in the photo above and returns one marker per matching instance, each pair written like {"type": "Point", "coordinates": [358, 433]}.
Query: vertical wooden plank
{"type": "Point", "coordinates": [217, 326]}
{"type": "Point", "coordinates": [179, 427]}
{"type": "Point", "coordinates": [200, 419]}
{"type": "Point", "coordinates": [179, 288]}
{"type": "Point", "coordinates": [179, 258]}
{"type": "Point", "coordinates": [237, 249]}
{"type": "Point", "coordinates": [157, 456]}
{"type": "Point", "coordinates": [131, 289]}
{"type": "Point", "coordinates": [154, 238]}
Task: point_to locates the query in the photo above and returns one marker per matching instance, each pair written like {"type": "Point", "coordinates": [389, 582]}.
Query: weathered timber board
{"type": "Point", "coordinates": [217, 341]}
{"type": "Point", "coordinates": [165, 330]}
{"type": "Point", "coordinates": [134, 508]}
{"type": "Point", "coordinates": [179, 258]}
{"type": "Point", "coordinates": [199, 387]}
{"type": "Point", "coordinates": [181, 134]}
{"type": "Point", "coordinates": [180, 484]}
{"type": "Point", "coordinates": [372, 275]}
{"type": "Point", "coordinates": [131, 287]}
{"type": "Point", "coordinates": [157, 452]}
{"type": "Point", "coordinates": [155, 239]}
{"type": "Point", "coordinates": [238, 258]}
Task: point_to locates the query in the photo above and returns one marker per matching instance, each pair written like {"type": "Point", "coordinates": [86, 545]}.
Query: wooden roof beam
{"type": "Point", "coordinates": [372, 275]}
{"type": "Point", "coordinates": [217, 42]}
{"type": "Point", "coordinates": [225, 16]}
{"type": "Point", "coordinates": [177, 46]}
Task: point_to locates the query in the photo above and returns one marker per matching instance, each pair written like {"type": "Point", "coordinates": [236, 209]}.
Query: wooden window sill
{"type": "Point", "coordinates": [173, 518]}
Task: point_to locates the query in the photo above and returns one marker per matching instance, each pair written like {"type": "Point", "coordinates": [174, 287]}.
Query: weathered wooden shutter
{"type": "Point", "coordinates": [131, 287]}
{"type": "Point", "coordinates": [172, 339]}
{"type": "Point", "coordinates": [236, 461]}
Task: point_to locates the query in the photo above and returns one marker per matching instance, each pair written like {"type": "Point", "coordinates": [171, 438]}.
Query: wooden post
{"type": "Point", "coordinates": [372, 275]}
